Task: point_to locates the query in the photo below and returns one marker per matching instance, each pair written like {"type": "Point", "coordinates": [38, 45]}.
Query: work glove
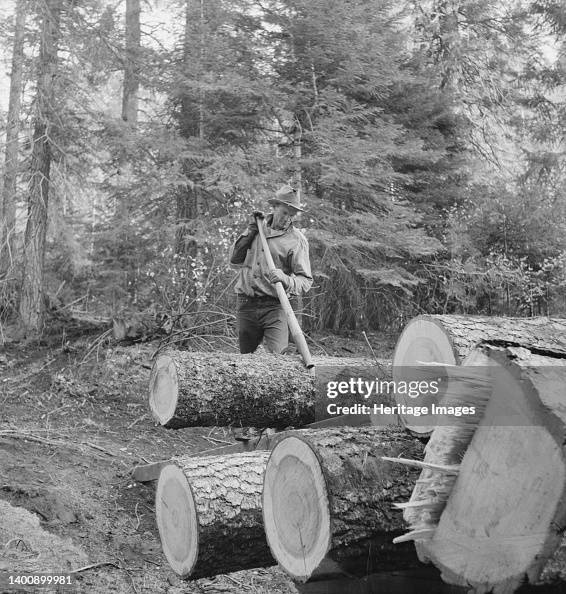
{"type": "Point", "coordinates": [278, 276]}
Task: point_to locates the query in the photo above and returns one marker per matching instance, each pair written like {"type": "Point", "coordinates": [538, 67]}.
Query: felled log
{"type": "Point", "coordinates": [327, 500]}
{"type": "Point", "coordinates": [261, 390]}
{"type": "Point", "coordinates": [208, 513]}
{"type": "Point", "coordinates": [503, 515]}
{"type": "Point", "coordinates": [448, 339]}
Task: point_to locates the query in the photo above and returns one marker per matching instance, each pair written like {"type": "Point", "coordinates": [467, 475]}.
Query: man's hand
{"type": "Point", "coordinates": [252, 225]}
{"type": "Point", "coordinates": [278, 276]}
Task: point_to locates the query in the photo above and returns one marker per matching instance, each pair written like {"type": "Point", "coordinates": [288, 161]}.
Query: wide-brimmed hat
{"type": "Point", "coordinates": [288, 196]}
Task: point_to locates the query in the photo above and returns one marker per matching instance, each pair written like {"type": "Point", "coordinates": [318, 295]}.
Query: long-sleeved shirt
{"type": "Point", "coordinates": [290, 251]}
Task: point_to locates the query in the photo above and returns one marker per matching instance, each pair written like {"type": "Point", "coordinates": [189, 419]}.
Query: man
{"type": "Point", "coordinates": [260, 315]}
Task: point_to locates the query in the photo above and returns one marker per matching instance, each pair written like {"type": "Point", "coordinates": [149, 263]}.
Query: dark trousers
{"type": "Point", "coordinates": [261, 318]}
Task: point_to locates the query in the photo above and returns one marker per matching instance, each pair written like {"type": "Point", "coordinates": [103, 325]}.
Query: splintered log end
{"type": "Point", "coordinates": [163, 390]}
{"type": "Point", "coordinates": [498, 528]}
{"type": "Point", "coordinates": [424, 534]}
{"type": "Point", "coordinates": [466, 386]}
{"type": "Point", "coordinates": [453, 469]}
{"type": "Point", "coordinates": [176, 516]}
{"type": "Point", "coordinates": [295, 508]}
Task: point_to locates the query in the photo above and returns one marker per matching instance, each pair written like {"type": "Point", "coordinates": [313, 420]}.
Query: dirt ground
{"type": "Point", "coordinates": [74, 421]}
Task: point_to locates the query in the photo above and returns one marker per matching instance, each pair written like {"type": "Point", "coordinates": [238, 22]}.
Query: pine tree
{"type": "Point", "coordinates": [32, 291]}
{"type": "Point", "coordinates": [9, 188]}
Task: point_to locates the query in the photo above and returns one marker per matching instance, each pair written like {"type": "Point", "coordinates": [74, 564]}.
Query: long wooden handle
{"type": "Point", "coordinates": [294, 327]}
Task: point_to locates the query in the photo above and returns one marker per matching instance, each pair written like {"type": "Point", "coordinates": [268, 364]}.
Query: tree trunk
{"type": "Point", "coordinates": [190, 198]}
{"type": "Point", "coordinates": [449, 339]}
{"type": "Point", "coordinates": [31, 300]}
{"type": "Point", "coordinates": [8, 198]}
{"type": "Point", "coordinates": [298, 184]}
{"type": "Point", "coordinates": [499, 521]}
{"type": "Point", "coordinates": [328, 496]}
{"type": "Point", "coordinates": [208, 512]}
{"type": "Point", "coordinates": [131, 63]}
{"type": "Point", "coordinates": [201, 389]}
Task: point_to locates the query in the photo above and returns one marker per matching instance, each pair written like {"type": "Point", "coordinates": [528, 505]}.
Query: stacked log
{"type": "Point", "coordinates": [448, 339]}
{"type": "Point", "coordinates": [219, 389]}
{"type": "Point", "coordinates": [490, 514]}
{"type": "Point", "coordinates": [487, 508]}
{"type": "Point", "coordinates": [328, 496]}
{"type": "Point", "coordinates": [208, 513]}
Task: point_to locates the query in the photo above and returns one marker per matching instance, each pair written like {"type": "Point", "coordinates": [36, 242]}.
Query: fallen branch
{"type": "Point", "coordinates": [105, 564]}
{"type": "Point", "coordinates": [96, 344]}
{"type": "Point", "coordinates": [99, 448]}
{"type": "Point", "coordinates": [95, 566]}
{"type": "Point", "coordinates": [56, 443]}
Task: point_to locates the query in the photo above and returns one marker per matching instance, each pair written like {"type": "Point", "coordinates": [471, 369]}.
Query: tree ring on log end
{"type": "Point", "coordinates": [163, 389]}
{"type": "Point", "coordinates": [176, 516]}
{"type": "Point", "coordinates": [424, 340]}
{"type": "Point", "coordinates": [296, 508]}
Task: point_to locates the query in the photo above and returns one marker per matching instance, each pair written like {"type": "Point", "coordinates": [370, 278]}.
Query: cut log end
{"type": "Point", "coordinates": [163, 389]}
{"type": "Point", "coordinates": [448, 339]}
{"type": "Point", "coordinates": [295, 508]}
{"type": "Point", "coordinates": [176, 516]}
{"type": "Point", "coordinates": [424, 340]}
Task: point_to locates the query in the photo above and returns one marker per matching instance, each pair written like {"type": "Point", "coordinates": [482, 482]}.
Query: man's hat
{"type": "Point", "coordinates": [288, 196]}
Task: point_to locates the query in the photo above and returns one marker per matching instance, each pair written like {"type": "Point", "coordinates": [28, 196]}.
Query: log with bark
{"type": "Point", "coordinates": [498, 521]}
{"type": "Point", "coordinates": [261, 390]}
{"type": "Point", "coordinates": [448, 339]}
{"type": "Point", "coordinates": [328, 496]}
{"type": "Point", "coordinates": [209, 516]}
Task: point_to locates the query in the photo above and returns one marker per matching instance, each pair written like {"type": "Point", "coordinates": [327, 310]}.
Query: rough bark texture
{"type": "Point", "coordinates": [227, 495]}
{"type": "Point", "coordinates": [362, 487]}
{"type": "Point", "coordinates": [361, 490]}
{"type": "Point", "coordinates": [502, 519]}
{"type": "Point", "coordinates": [31, 304]}
{"type": "Point", "coordinates": [246, 390]}
{"type": "Point", "coordinates": [150, 472]}
{"type": "Point", "coordinates": [131, 63]}
{"type": "Point", "coordinates": [8, 199]}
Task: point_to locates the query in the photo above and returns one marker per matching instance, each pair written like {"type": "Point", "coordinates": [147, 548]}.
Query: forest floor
{"type": "Point", "coordinates": [74, 421]}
